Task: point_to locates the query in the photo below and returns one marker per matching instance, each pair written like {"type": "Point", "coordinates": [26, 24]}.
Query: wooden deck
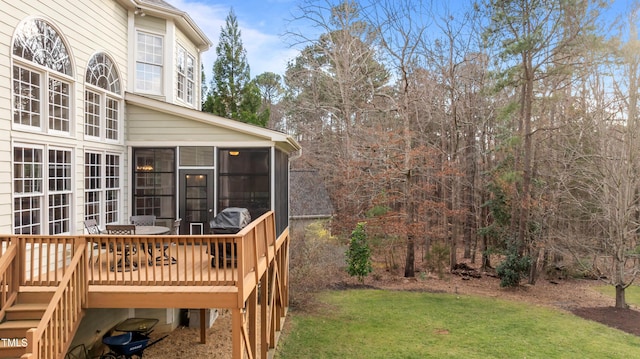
{"type": "Point", "coordinates": [89, 271]}
{"type": "Point", "coordinates": [189, 282]}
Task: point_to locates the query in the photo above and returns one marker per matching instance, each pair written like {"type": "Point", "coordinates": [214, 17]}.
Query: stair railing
{"type": "Point", "coordinates": [9, 279]}
{"type": "Point", "coordinates": [61, 319]}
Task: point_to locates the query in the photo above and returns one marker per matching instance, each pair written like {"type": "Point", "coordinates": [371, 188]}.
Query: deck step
{"type": "Point", "coordinates": [17, 329]}
{"type": "Point", "coordinates": [35, 294]}
{"type": "Point", "coordinates": [24, 314]}
{"type": "Point", "coordinates": [26, 311]}
{"type": "Point", "coordinates": [12, 348]}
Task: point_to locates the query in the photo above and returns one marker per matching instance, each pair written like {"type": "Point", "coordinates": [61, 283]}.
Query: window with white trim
{"type": "Point", "coordinates": [28, 192]}
{"type": "Point", "coordinates": [59, 191]}
{"type": "Point", "coordinates": [42, 79]}
{"type": "Point", "coordinates": [185, 87]}
{"type": "Point", "coordinates": [34, 203]}
{"type": "Point", "coordinates": [103, 192]}
{"type": "Point", "coordinates": [102, 99]}
{"type": "Point", "coordinates": [149, 63]}
{"type": "Point", "coordinates": [112, 188]}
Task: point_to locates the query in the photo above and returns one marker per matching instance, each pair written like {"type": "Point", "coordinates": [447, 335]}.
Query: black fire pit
{"type": "Point", "coordinates": [229, 221]}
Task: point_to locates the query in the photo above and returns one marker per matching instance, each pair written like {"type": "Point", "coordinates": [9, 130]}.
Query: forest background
{"type": "Point", "coordinates": [509, 127]}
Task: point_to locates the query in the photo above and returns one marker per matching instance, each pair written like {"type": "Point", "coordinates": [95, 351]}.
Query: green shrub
{"type": "Point", "coordinates": [359, 254]}
{"type": "Point", "coordinates": [513, 269]}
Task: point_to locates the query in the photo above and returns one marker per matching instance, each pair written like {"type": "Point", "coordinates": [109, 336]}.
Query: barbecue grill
{"type": "Point", "coordinates": [229, 221]}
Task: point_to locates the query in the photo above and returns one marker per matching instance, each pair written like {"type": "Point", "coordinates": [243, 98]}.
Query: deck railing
{"type": "Point", "coordinates": [181, 260]}
{"type": "Point", "coordinates": [72, 263]}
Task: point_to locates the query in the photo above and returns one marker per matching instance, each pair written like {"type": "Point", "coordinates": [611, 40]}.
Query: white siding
{"type": "Point", "coordinates": [153, 126]}
{"type": "Point", "coordinates": [150, 23]}
{"type": "Point", "coordinates": [7, 26]}
{"type": "Point", "coordinates": [87, 27]}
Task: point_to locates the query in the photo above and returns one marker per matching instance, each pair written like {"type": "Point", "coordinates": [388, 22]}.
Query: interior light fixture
{"type": "Point", "coordinates": [144, 168]}
{"type": "Point", "coordinates": [234, 153]}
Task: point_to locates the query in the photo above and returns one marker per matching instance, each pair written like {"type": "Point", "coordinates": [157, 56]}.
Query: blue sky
{"type": "Point", "coordinates": [261, 24]}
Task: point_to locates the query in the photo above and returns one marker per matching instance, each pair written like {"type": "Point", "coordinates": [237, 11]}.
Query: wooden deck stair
{"type": "Point", "coordinates": [23, 315]}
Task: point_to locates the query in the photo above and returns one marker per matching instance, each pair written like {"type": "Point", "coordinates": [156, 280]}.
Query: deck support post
{"type": "Point", "coordinates": [265, 343]}
{"type": "Point", "coordinates": [203, 326]}
{"type": "Point", "coordinates": [252, 308]}
{"type": "Point", "coordinates": [236, 333]}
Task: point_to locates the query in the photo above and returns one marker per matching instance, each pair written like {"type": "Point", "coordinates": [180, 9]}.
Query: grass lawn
{"type": "Point", "coordinates": [394, 324]}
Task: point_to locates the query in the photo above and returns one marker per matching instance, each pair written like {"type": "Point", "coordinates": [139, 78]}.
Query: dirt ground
{"type": "Point", "coordinates": [576, 296]}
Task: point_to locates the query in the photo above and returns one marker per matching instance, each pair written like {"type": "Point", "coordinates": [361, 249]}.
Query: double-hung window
{"type": "Point", "coordinates": [185, 87]}
{"type": "Point", "coordinates": [149, 62]}
{"type": "Point", "coordinates": [102, 183]}
{"type": "Point", "coordinates": [59, 177]}
{"type": "Point", "coordinates": [41, 182]}
{"type": "Point", "coordinates": [42, 79]}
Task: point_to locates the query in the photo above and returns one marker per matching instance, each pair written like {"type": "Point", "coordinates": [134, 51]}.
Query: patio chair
{"type": "Point", "coordinates": [120, 229]}
{"type": "Point", "coordinates": [175, 228]}
{"type": "Point", "coordinates": [125, 249]}
{"type": "Point", "coordinates": [144, 220]}
{"type": "Point", "coordinates": [92, 228]}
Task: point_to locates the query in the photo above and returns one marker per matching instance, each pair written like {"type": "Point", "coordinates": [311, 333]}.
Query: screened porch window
{"type": "Point", "coordinates": [154, 182]}
{"type": "Point", "coordinates": [244, 180]}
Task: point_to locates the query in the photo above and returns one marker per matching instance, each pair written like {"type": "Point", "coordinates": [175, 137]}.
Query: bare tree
{"type": "Point", "coordinates": [601, 165]}
{"type": "Point", "coordinates": [331, 90]}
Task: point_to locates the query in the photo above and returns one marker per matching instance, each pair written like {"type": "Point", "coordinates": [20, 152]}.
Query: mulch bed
{"type": "Point", "coordinates": [627, 320]}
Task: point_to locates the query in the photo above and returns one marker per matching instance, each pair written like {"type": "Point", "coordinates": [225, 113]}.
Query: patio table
{"type": "Point", "coordinates": [157, 230]}
{"type": "Point", "coordinates": [152, 230]}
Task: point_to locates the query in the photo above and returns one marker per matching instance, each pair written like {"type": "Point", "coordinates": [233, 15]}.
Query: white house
{"type": "Point", "coordinates": [100, 119]}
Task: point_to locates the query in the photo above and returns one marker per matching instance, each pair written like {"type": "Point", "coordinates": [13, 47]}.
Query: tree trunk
{"type": "Point", "coordinates": [469, 198]}
{"type": "Point", "coordinates": [409, 267]}
{"type": "Point", "coordinates": [621, 302]}
{"type": "Point", "coordinates": [534, 269]}
{"type": "Point", "coordinates": [451, 236]}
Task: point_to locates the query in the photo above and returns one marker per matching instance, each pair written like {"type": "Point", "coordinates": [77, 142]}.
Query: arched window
{"type": "Point", "coordinates": [102, 99]}
{"type": "Point", "coordinates": [101, 72]}
{"type": "Point", "coordinates": [102, 112]}
{"type": "Point", "coordinates": [42, 78]}
{"type": "Point", "coordinates": [42, 84]}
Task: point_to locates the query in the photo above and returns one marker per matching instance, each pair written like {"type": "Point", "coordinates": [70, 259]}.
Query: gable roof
{"type": "Point", "coordinates": [308, 196]}
{"type": "Point", "coordinates": [160, 3]}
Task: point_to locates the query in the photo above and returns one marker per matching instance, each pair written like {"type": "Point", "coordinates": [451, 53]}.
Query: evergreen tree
{"type": "Point", "coordinates": [359, 254]}
{"type": "Point", "coordinates": [232, 94]}
{"type": "Point", "coordinates": [251, 108]}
